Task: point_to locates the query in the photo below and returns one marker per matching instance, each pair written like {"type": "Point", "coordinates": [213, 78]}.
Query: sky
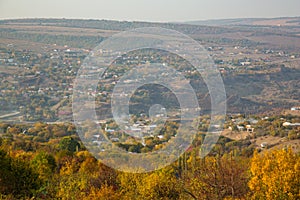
{"type": "Point", "coordinates": [148, 10]}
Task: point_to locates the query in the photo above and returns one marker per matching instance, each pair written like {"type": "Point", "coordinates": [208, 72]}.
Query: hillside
{"type": "Point", "coordinates": [49, 151]}
{"type": "Point", "coordinates": [282, 21]}
{"type": "Point", "coordinates": [259, 65]}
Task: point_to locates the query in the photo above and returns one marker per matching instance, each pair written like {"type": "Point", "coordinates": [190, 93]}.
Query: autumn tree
{"type": "Point", "coordinates": [160, 185]}
{"type": "Point", "coordinates": [275, 175]}
{"type": "Point", "coordinates": [218, 178]}
{"type": "Point", "coordinates": [44, 164]}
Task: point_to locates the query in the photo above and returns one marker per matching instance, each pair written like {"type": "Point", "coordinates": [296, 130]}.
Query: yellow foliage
{"type": "Point", "coordinates": [104, 193]}
{"type": "Point", "coordinates": [149, 186]}
{"type": "Point", "coordinates": [72, 187]}
{"type": "Point", "coordinates": [275, 175]}
{"type": "Point", "coordinates": [160, 185]}
{"type": "Point", "coordinates": [68, 168]}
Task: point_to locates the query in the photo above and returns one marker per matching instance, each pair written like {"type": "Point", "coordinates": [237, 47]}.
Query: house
{"type": "Point", "coordinates": [286, 124]}
{"type": "Point", "coordinates": [108, 129]}
{"type": "Point", "coordinates": [245, 63]}
{"type": "Point", "coordinates": [160, 136]}
{"type": "Point", "coordinates": [152, 127]}
{"type": "Point", "coordinates": [96, 136]}
{"type": "Point", "coordinates": [295, 108]}
{"type": "Point", "coordinates": [136, 130]}
{"type": "Point", "coordinates": [115, 139]}
{"type": "Point", "coordinates": [240, 128]}
{"type": "Point", "coordinates": [290, 124]}
{"type": "Point", "coordinates": [253, 121]}
{"type": "Point", "coordinates": [216, 126]}
{"type": "Point", "coordinates": [264, 145]}
{"type": "Point", "coordinates": [249, 129]}
{"type": "Point", "coordinates": [101, 122]}
{"type": "Point", "coordinates": [97, 142]}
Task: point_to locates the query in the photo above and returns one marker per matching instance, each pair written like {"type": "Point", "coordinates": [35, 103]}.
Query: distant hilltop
{"type": "Point", "coordinates": [282, 21]}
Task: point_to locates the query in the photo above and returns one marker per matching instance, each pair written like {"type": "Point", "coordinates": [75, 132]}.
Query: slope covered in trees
{"type": "Point", "coordinates": [59, 167]}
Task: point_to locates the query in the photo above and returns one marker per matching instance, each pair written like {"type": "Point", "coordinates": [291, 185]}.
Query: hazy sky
{"type": "Point", "coordinates": [148, 10]}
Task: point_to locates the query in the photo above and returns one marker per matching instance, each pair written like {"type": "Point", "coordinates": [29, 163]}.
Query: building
{"type": "Point", "coordinates": [249, 129]}
{"type": "Point", "coordinates": [295, 108]}
{"type": "Point", "coordinates": [264, 145]}
{"type": "Point", "coordinates": [290, 124]}
{"type": "Point", "coordinates": [240, 128]}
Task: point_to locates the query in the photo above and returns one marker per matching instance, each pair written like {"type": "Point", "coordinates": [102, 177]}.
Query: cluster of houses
{"type": "Point", "coordinates": [241, 128]}
{"type": "Point", "coordinates": [138, 130]}
{"type": "Point", "coordinates": [248, 128]}
{"type": "Point", "coordinates": [38, 77]}
{"type": "Point", "coordinates": [238, 123]}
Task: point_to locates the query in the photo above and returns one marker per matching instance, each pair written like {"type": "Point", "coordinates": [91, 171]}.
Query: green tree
{"type": "Point", "coordinates": [44, 164]}
{"type": "Point", "coordinates": [16, 177]}
{"type": "Point", "coordinates": [69, 143]}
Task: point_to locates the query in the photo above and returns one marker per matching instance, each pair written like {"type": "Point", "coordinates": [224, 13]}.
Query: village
{"type": "Point", "coordinates": [129, 140]}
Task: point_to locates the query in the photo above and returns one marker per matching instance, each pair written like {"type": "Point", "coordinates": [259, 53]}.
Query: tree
{"type": "Point", "coordinates": [160, 185]}
{"type": "Point", "coordinates": [69, 143]}
{"type": "Point", "coordinates": [16, 177]}
{"type": "Point", "coordinates": [103, 193]}
{"type": "Point", "coordinates": [218, 178]}
{"type": "Point", "coordinates": [44, 164]}
{"type": "Point", "coordinates": [275, 175]}
{"type": "Point", "coordinates": [72, 187]}
{"type": "Point", "coordinates": [5, 172]}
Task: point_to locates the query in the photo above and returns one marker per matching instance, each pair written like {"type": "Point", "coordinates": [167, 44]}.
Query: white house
{"type": "Point", "coordinates": [240, 128]}
{"type": "Point", "coordinates": [295, 108]}
{"type": "Point", "coordinates": [286, 124]}
{"type": "Point", "coordinates": [290, 124]}
{"type": "Point", "coordinates": [249, 129]}
{"type": "Point", "coordinates": [264, 145]}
